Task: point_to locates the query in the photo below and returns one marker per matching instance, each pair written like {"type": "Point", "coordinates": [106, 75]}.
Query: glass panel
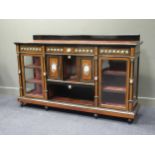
{"type": "Point", "coordinates": [33, 89]}
{"type": "Point", "coordinates": [33, 74]}
{"type": "Point", "coordinates": [113, 85]}
{"type": "Point", "coordinates": [32, 61]}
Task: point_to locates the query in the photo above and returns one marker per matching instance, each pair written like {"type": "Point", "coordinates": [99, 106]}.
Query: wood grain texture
{"type": "Point", "coordinates": [83, 108]}
{"type": "Point", "coordinates": [81, 42]}
{"type": "Point", "coordinates": [86, 69]}
{"type": "Point", "coordinates": [53, 66]}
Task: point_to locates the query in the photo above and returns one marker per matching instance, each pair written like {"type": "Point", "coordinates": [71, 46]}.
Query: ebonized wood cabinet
{"type": "Point", "coordinates": [94, 74]}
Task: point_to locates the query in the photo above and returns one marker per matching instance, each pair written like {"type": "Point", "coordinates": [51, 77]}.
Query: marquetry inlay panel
{"type": "Point", "coordinates": [69, 50]}
{"type": "Point", "coordinates": [54, 49]}
{"type": "Point", "coordinates": [29, 48]}
{"type": "Point", "coordinates": [114, 51]}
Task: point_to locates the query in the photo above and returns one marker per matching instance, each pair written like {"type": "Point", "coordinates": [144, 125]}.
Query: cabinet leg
{"type": "Point", "coordinates": [130, 120]}
{"type": "Point", "coordinates": [96, 116]}
{"type": "Point", "coordinates": [21, 104]}
{"type": "Point", "coordinates": [46, 108]}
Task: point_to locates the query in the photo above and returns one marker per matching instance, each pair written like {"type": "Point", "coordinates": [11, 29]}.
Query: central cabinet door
{"type": "Point", "coordinates": [53, 67]}
{"type": "Point", "coordinates": [87, 69]}
{"type": "Point", "coordinates": [113, 83]}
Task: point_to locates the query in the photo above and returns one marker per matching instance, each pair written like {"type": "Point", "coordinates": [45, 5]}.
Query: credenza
{"type": "Point", "coordinates": [94, 74]}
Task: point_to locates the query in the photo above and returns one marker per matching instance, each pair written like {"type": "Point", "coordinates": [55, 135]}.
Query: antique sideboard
{"type": "Point", "coordinates": [94, 74]}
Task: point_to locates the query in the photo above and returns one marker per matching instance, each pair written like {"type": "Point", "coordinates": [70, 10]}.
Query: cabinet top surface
{"type": "Point", "coordinates": [129, 40]}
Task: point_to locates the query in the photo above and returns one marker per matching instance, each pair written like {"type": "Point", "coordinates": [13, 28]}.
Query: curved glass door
{"type": "Point", "coordinates": [113, 83]}
{"type": "Point", "coordinates": [33, 76]}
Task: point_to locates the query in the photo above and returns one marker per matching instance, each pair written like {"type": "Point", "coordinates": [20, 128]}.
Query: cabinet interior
{"type": "Point", "coordinates": [33, 76]}
{"type": "Point", "coordinates": [70, 68]}
{"type": "Point", "coordinates": [78, 94]}
{"type": "Point", "coordinates": [113, 88]}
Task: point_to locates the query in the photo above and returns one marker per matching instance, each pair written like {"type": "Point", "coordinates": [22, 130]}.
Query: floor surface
{"type": "Point", "coordinates": [34, 120]}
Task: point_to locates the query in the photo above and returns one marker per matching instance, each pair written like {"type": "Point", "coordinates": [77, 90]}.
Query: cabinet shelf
{"type": "Point", "coordinates": [115, 72]}
{"type": "Point", "coordinates": [73, 101]}
{"type": "Point", "coordinates": [70, 82]}
{"type": "Point", "coordinates": [34, 93]}
{"type": "Point", "coordinates": [32, 66]}
{"type": "Point", "coordinates": [72, 78]}
{"type": "Point", "coordinates": [34, 81]}
{"type": "Point", "coordinates": [113, 103]}
{"type": "Point", "coordinates": [114, 89]}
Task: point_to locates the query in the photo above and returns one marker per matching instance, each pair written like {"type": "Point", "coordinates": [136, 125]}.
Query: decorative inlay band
{"type": "Point", "coordinates": [36, 49]}
{"type": "Point", "coordinates": [114, 51]}
{"type": "Point", "coordinates": [70, 50]}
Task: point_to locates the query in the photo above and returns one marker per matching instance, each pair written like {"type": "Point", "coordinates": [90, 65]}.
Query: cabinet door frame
{"type": "Point", "coordinates": [126, 105]}
{"type": "Point", "coordinates": [24, 79]}
{"type": "Point", "coordinates": [92, 68]}
{"type": "Point", "coordinates": [59, 68]}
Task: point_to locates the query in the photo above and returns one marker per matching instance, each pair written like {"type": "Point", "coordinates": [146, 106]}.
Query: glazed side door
{"type": "Point", "coordinates": [32, 75]}
{"type": "Point", "coordinates": [113, 82]}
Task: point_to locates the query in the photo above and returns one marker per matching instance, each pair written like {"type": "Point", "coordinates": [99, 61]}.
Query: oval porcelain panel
{"type": "Point", "coordinates": [53, 67]}
{"type": "Point", "coordinates": [86, 69]}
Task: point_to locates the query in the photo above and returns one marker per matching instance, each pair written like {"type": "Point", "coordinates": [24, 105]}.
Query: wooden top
{"type": "Point", "coordinates": [129, 40]}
